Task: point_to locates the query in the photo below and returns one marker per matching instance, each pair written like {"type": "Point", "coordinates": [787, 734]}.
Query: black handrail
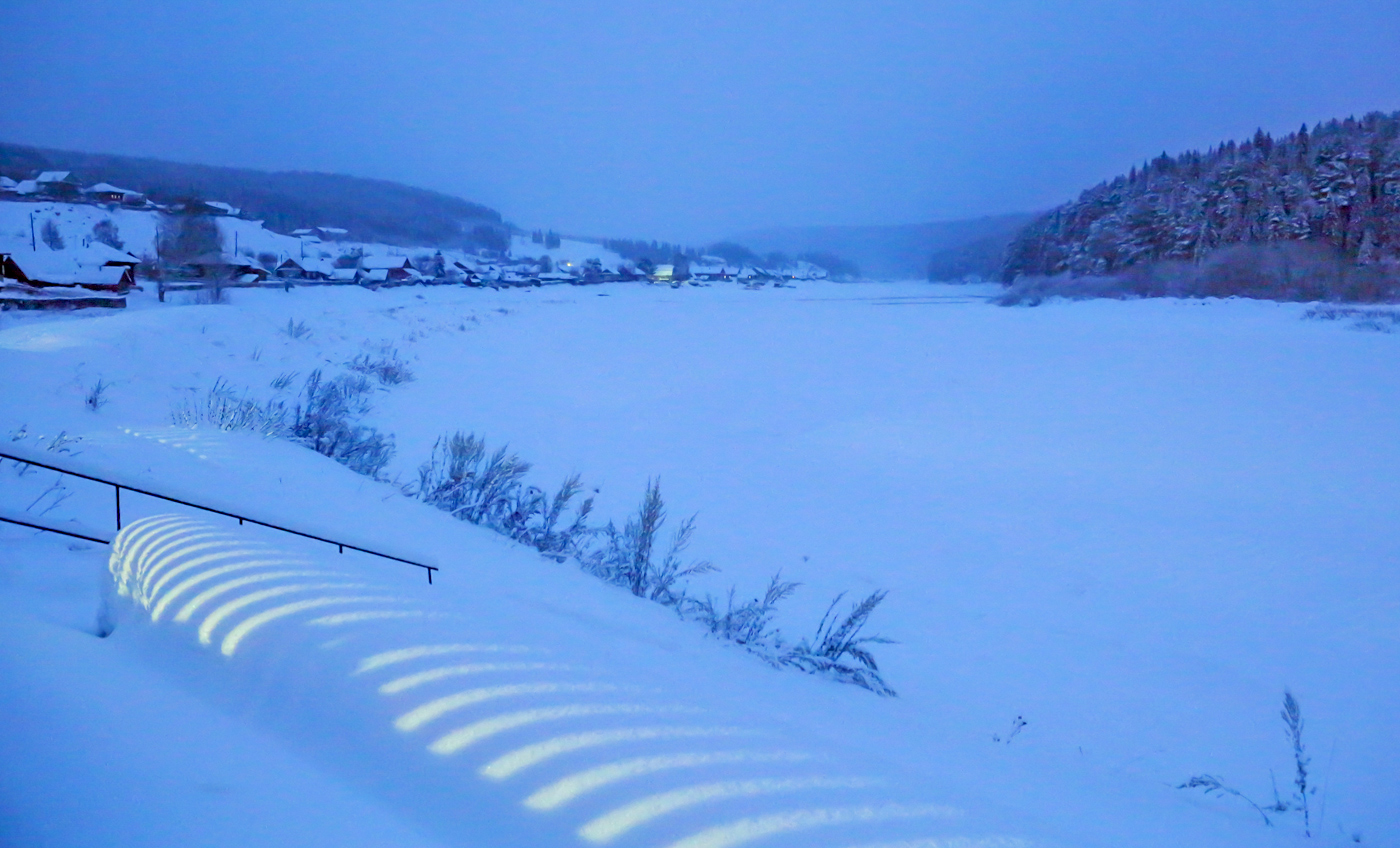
{"type": "Point", "coordinates": [47, 529]}
{"type": "Point", "coordinates": [241, 518]}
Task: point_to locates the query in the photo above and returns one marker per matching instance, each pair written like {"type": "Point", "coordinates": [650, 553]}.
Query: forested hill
{"type": "Point", "coordinates": [372, 210]}
{"type": "Point", "coordinates": [1337, 185]}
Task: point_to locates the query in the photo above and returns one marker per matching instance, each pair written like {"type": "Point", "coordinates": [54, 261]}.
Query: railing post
{"type": "Point", "coordinates": [119, 505]}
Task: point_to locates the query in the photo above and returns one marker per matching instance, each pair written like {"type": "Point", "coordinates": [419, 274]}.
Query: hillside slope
{"type": "Point", "coordinates": [1335, 189]}
{"type": "Point", "coordinates": [372, 210]}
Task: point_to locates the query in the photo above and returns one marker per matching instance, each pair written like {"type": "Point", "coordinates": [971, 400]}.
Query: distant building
{"type": "Point", "coordinates": [387, 269]}
{"type": "Point", "coordinates": [58, 184]}
{"type": "Point", "coordinates": [108, 193]}
{"type": "Point", "coordinates": [221, 267]}
{"type": "Point", "coordinates": [304, 269]}
{"type": "Point", "coordinates": [65, 278]}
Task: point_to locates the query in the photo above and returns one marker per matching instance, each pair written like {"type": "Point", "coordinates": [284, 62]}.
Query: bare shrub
{"type": "Point", "coordinates": [105, 231]}
{"type": "Point", "coordinates": [466, 480]}
{"type": "Point", "coordinates": [387, 367]}
{"type": "Point", "coordinates": [223, 409]}
{"type": "Point", "coordinates": [838, 650]}
{"type": "Point", "coordinates": [208, 296]}
{"type": "Point", "coordinates": [184, 238]}
{"type": "Point", "coordinates": [297, 329]}
{"type": "Point", "coordinates": [325, 419]}
{"type": "Point", "coordinates": [1285, 271]}
{"type": "Point", "coordinates": [50, 235]}
{"type": "Point", "coordinates": [1292, 716]}
{"type": "Point", "coordinates": [97, 396]}
{"type": "Point", "coordinates": [626, 556]}
{"type": "Point", "coordinates": [1372, 320]}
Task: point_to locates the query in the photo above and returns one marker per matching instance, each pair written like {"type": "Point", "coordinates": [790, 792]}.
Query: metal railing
{"type": "Point", "coordinates": [118, 487]}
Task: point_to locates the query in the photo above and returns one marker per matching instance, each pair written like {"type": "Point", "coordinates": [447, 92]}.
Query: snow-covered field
{"type": "Point", "coordinates": [21, 225]}
{"type": "Point", "coordinates": [1130, 524]}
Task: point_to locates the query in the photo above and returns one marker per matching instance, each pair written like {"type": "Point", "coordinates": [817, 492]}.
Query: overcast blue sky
{"type": "Point", "coordinates": [692, 120]}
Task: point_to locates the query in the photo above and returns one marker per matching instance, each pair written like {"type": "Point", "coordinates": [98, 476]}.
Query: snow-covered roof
{"type": "Point", "coordinates": [64, 268]}
{"type": "Point", "coordinates": [26, 186]}
{"type": "Point", "coordinates": [333, 231]}
{"type": "Point", "coordinates": [314, 264]}
{"type": "Point", "coordinates": [344, 274]}
{"type": "Point", "coordinates": [98, 253]}
{"type": "Point", "coordinates": [219, 258]}
{"type": "Point", "coordinates": [223, 207]}
{"type": "Point", "coordinates": [53, 177]}
{"type": "Point", "coordinates": [108, 188]}
{"type": "Point", "coordinates": [6, 182]}
{"type": "Point", "coordinates": [374, 263]}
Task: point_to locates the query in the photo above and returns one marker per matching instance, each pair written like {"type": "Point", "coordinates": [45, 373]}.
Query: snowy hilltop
{"type": "Point", "coordinates": [1312, 215]}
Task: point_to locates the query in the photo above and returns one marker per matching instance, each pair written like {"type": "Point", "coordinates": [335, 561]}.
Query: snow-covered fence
{"type": "Point", "coordinates": [489, 723]}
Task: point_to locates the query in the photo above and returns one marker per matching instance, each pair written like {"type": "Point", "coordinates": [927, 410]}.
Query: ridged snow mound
{"type": "Point", "coordinates": [484, 737]}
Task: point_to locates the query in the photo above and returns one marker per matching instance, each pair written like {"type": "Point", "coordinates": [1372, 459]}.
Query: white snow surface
{"type": "Point", "coordinates": [21, 227]}
{"type": "Point", "coordinates": [1132, 524]}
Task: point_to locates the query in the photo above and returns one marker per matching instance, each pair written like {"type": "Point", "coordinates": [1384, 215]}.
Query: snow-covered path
{"type": "Point", "coordinates": [1132, 524]}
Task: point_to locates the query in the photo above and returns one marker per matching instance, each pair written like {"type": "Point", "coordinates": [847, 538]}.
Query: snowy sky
{"type": "Point", "coordinates": [691, 120]}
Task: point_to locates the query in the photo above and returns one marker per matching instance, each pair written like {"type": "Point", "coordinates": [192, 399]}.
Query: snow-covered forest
{"type": "Point", "coordinates": [1329, 195]}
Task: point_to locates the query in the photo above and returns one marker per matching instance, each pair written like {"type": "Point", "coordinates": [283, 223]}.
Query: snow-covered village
{"type": "Point", "coordinates": [65, 244]}
{"type": "Point", "coordinates": [677, 426]}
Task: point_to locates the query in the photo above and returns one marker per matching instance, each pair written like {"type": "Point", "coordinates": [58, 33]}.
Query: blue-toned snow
{"type": "Point", "coordinates": [1132, 524]}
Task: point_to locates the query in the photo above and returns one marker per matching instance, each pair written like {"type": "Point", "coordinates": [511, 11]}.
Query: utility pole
{"type": "Point", "coordinates": [32, 244]}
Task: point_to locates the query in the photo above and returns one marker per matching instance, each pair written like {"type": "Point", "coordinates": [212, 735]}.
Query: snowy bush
{"type": "Point", "coordinates": [462, 479]}
{"type": "Point", "coordinates": [223, 409]}
{"type": "Point", "coordinates": [387, 367]}
{"type": "Point", "coordinates": [325, 421]}
{"type": "Point", "coordinates": [1374, 320]}
{"type": "Point", "coordinates": [626, 558]}
{"type": "Point", "coordinates": [466, 480]}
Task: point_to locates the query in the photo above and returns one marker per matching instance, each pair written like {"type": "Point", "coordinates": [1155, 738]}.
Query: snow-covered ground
{"type": "Point", "coordinates": [22, 225]}
{"type": "Point", "coordinates": [1131, 524]}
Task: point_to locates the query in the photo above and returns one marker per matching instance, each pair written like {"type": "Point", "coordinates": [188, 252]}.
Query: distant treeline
{"type": "Point", "coordinates": [371, 210]}
{"type": "Point", "coordinates": [1334, 190]}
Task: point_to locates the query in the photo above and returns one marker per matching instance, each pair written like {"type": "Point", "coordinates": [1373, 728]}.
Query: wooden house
{"type": "Point", "coordinates": [61, 185]}
{"type": "Point", "coordinates": [108, 193]}
{"type": "Point", "coordinates": [387, 269]}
